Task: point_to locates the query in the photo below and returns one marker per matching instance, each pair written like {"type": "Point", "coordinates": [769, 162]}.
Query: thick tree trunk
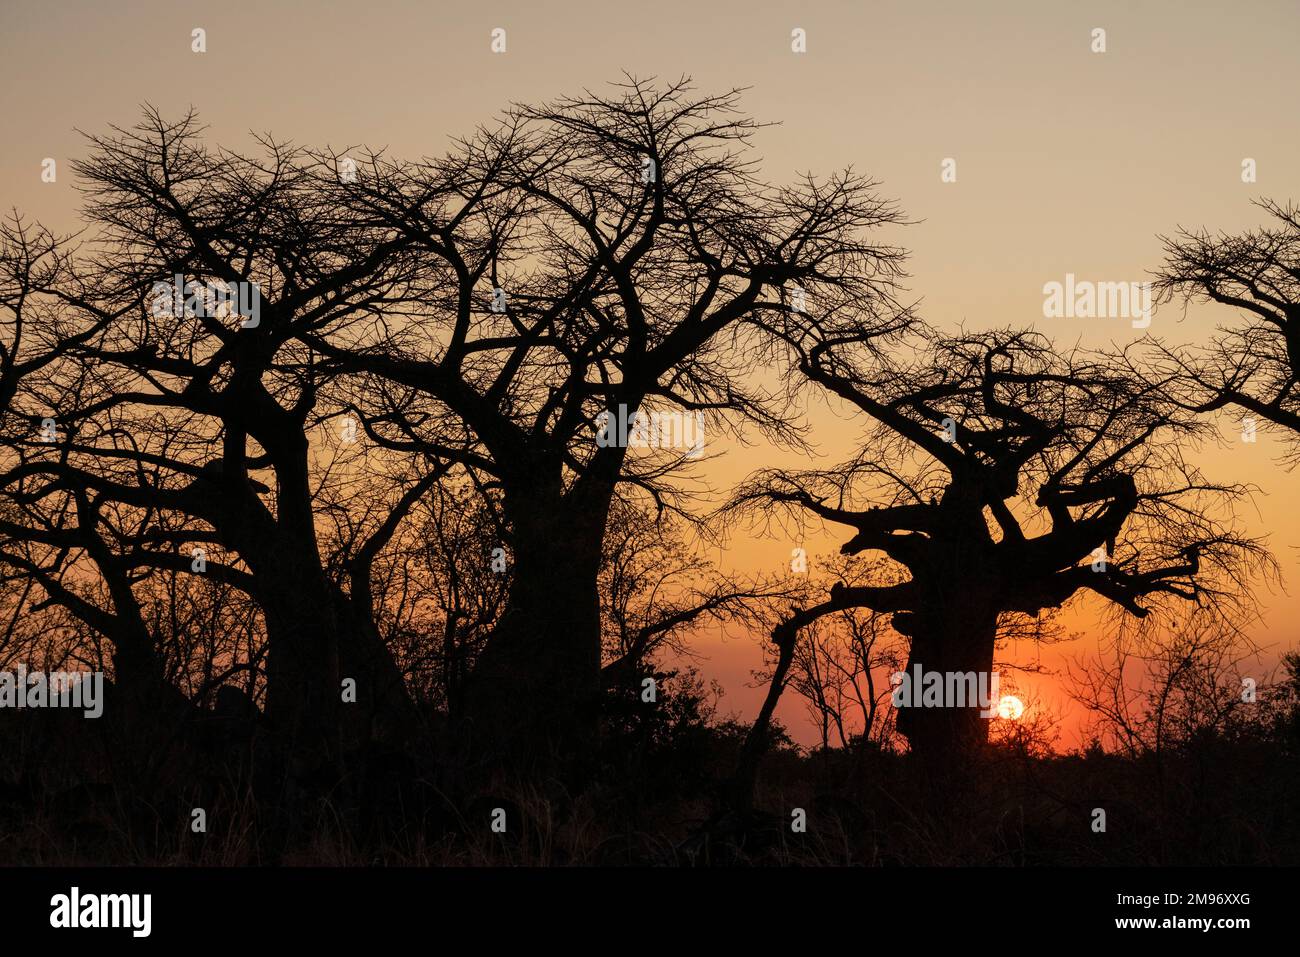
{"type": "Point", "coordinates": [304, 631]}
{"type": "Point", "coordinates": [145, 711]}
{"type": "Point", "coordinates": [532, 702]}
{"type": "Point", "coordinates": [303, 684]}
{"type": "Point", "coordinates": [383, 709]}
{"type": "Point", "coordinates": [316, 636]}
{"type": "Point", "coordinates": [955, 635]}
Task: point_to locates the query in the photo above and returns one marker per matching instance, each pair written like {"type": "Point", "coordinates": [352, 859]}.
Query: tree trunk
{"type": "Point", "coordinates": [303, 685]}
{"type": "Point", "coordinates": [383, 709]}
{"type": "Point", "coordinates": [955, 634]}
{"type": "Point", "coordinates": [738, 793]}
{"type": "Point", "coordinates": [533, 699]}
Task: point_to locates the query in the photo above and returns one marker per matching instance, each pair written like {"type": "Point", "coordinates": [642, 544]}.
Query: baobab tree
{"type": "Point", "coordinates": [582, 262]}
{"type": "Point", "coordinates": [1002, 477]}
{"type": "Point", "coordinates": [491, 318]}
{"type": "Point", "coordinates": [1253, 364]}
{"type": "Point", "coordinates": [182, 430]}
{"type": "Point", "coordinates": [56, 538]}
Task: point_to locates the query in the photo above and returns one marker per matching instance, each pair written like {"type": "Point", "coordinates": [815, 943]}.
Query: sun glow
{"type": "Point", "coordinates": [1010, 708]}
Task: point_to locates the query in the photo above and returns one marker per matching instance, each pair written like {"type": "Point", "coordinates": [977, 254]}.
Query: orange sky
{"type": "Point", "coordinates": [1067, 160]}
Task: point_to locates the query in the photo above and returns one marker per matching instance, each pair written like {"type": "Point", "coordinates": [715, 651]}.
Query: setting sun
{"type": "Point", "coordinates": [1010, 707]}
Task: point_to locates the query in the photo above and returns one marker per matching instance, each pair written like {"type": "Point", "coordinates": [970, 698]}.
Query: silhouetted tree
{"type": "Point", "coordinates": [1008, 477]}
{"type": "Point", "coordinates": [1158, 691]}
{"type": "Point", "coordinates": [1252, 365]}
{"type": "Point", "coordinates": [581, 262]}
{"type": "Point", "coordinates": [186, 424]}
{"type": "Point", "coordinates": [475, 319]}
{"type": "Point", "coordinates": [840, 668]}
